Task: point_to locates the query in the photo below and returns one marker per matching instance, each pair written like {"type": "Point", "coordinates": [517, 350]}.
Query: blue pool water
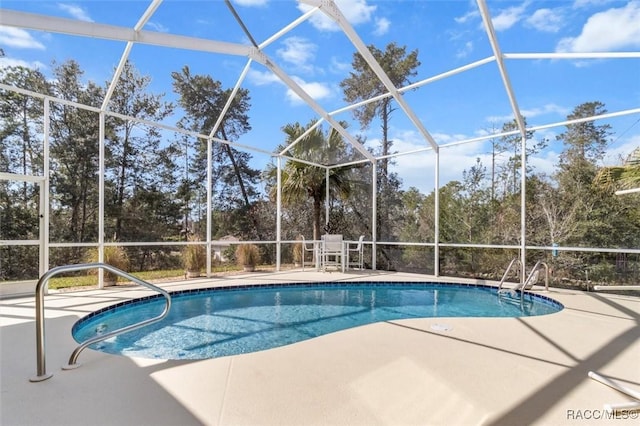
{"type": "Point", "coordinates": [227, 321]}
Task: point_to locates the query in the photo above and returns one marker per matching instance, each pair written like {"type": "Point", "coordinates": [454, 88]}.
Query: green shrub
{"type": "Point", "coordinates": [194, 256]}
{"type": "Point", "coordinates": [115, 256]}
{"type": "Point", "coordinates": [298, 252]}
{"type": "Point", "coordinates": [247, 255]}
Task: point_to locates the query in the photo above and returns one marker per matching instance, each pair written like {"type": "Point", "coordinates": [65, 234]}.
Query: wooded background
{"type": "Point", "coordinates": [155, 182]}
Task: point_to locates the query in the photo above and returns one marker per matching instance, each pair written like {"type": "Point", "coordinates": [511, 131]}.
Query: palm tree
{"type": "Point", "coordinates": [301, 181]}
{"type": "Point", "coordinates": [626, 176]}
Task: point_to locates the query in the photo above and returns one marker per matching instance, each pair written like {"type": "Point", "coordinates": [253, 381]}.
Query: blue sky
{"type": "Point", "coordinates": [447, 35]}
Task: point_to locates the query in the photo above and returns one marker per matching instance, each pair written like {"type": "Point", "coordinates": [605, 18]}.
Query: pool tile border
{"type": "Point", "coordinates": [330, 284]}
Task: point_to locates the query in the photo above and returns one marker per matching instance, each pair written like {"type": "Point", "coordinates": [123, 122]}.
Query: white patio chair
{"type": "Point", "coordinates": [355, 248]}
{"type": "Point", "coordinates": [305, 249]}
{"type": "Point", "coordinates": [332, 251]}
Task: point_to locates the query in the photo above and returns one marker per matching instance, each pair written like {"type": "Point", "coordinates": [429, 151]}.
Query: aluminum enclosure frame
{"type": "Point", "coordinates": [138, 35]}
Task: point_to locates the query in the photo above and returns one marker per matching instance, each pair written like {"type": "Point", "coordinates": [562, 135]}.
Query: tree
{"type": "Point", "coordinates": [559, 217]}
{"type": "Point", "coordinates": [513, 145]}
{"type": "Point", "coordinates": [585, 141]}
{"type": "Point", "coordinates": [363, 84]}
{"type": "Point", "coordinates": [496, 150]}
{"type": "Point", "coordinates": [21, 124]}
{"type": "Point", "coordinates": [21, 120]}
{"type": "Point", "coordinates": [301, 181]}
{"type": "Point", "coordinates": [474, 213]}
{"type": "Point", "coordinates": [597, 210]}
{"type": "Point", "coordinates": [584, 144]}
{"type": "Point", "coordinates": [133, 150]}
{"type": "Point", "coordinates": [203, 100]}
{"type": "Point", "coordinates": [74, 156]}
{"type": "Point", "coordinates": [412, 201]}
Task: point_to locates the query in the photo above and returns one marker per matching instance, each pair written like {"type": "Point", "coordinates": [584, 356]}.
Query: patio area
{"type": "Point", "coordinates": [501, 371]}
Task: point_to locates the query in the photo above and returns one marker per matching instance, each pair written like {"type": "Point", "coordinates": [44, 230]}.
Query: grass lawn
{"type": "Point", "coordinates": [57, 283]}
{"type": "Point", "coordinates": [81, 280]}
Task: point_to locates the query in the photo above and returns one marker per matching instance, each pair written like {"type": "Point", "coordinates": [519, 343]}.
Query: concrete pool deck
{"type": "Point", "coordinates": [433, 371]}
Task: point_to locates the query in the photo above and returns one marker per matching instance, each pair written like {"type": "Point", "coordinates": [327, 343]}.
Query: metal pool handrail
{"type": "Point", "coordinates": [515, 261]}
{"type": "Point", "coordinates": [535, 268]}
{"type": "Point", "coordinates": [40, 335]}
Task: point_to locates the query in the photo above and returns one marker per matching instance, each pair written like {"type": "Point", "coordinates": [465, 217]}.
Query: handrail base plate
{"type": "Point", "coordinates": [71, 366]}
{"type": "Point", "coordinates": [40, 378]}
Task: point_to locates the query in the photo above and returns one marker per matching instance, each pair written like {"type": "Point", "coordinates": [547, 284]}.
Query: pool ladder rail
{"type": "Point", "coordinates": [40, 331]}
{"type": "Point", "coordinates": [528, 283]}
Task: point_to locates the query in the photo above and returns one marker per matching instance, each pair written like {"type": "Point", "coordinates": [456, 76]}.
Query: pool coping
{"type": "Point", "coordinates": [529, 370]}
{"type": "Point", "coordinates": [293, 286]}
{"type": "Point", "coordinates": [290, 285]}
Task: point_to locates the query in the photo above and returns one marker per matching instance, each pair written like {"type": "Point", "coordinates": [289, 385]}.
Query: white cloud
{"type": "Point", "coordinates": [12, 62]}
{"type": "Point", "coordinates": [546, 109]}
{"type": "Point", "coordinates": [155, 26]}
{"type": "Point", "coordinates": [75, 11]}
{"type": "Point", "coordinates": [251, 3]}
{"type": "Point", "coordinates": [465, 50]}
{"type": "Point", "coordinates": [613, 29]}
{"type": "Point", "coordinates": [499, 119]}
{"type": "Point", "coordinates": [262, 78]}
{"type": "Point", "coordinates": [418, 169]}
{"type": "Point", "coordinates": [546, 20]}
{"type": "Point", "coordinates": [355, 11]}
{"type": "Point", "coordinates": [297, 51]}
{"type": "Point", "coordinates": [529, 113]}
{"type": "Point", "coordinates": [546, 163]}
{"type": "Point", "coordinates": [467, 17]}
{"type": "Point", "coordinates": [447, 138]}
{"type": "Point", "coordinates": [19, 38]}
{"type": "Point", "coordinates": [508, 17]}
{"type": "Point", "coordinates": [457, 35]}
{"type": "Point", "coordinates": [316, 90]}
{"type": "Point", "coordinates": [382, 26]}
{"type": "Point", "coordinates": [587, 3]}
{"type": "Point", "coordinates": [338, 67]}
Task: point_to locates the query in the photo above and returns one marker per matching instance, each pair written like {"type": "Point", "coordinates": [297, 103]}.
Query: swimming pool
{"type": "Point", "coordinates": [208, 323]}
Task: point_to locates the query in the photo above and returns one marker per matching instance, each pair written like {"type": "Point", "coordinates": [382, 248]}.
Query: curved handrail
{"type": "Point", "coordinates": [40, 337]}
{"type": "Point", "coordinates": [526, 285]}
{"type": "Point", "coordinates": [506, 272]}
{"type": "Point", "coordinates": [535, 268]}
